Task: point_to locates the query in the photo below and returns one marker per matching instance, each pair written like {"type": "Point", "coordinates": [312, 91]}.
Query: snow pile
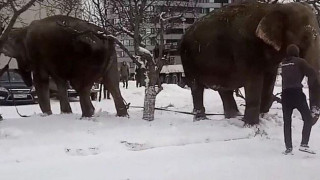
{"type": "Point", "coordinates": [65, 147]}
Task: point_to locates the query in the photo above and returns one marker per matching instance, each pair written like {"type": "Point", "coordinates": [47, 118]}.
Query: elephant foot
{"type": "Point", "coordinates": [66, 112]}
{"type": "Point", "coordinates": [231, 114]}
{"type": "Point", "coordinates": [44, 114]}
{"type": "Point", "coordinates": [122, 112]}
{"type": "Point", "coordinates": [250, 122]}
{"type": "Point", "coordinates": [88, 113]}
{"type": "Point", "coordinates": [199, 115]}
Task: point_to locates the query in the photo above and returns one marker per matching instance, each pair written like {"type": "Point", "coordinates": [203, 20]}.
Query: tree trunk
{"type": "Point", "coordinates": [150, 92]}
{"type": "Point", "coordinates": [149, 103]}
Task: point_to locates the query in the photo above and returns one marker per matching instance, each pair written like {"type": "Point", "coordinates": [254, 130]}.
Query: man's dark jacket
{"type": "Point", "coordinates": [293, 71]}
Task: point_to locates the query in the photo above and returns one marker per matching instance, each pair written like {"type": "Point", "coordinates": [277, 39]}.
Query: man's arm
{"type": "Point", "coordinates": [310, 72]}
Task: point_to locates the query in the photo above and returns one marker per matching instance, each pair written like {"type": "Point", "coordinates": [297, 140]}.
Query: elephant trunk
{"type": "Point", "coordinates": [314, 96]}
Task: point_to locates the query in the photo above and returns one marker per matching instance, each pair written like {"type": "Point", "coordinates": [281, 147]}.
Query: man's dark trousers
{"type": "Point", "coordinates": [294, 98]}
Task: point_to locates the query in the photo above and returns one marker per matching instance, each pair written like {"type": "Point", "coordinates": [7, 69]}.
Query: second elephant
{"type": "Point", "coordinates": [242, 46]}
{"type": "Point", "coordinates": [66, 49]}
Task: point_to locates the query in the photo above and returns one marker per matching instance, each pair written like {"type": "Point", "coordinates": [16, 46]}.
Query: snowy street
{"type": "Point", "coordinates": [172, 147]}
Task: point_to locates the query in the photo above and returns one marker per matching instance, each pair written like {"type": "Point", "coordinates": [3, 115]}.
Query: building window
{"type": "Point", "coordinates": [148, 31]}
{"type": "Point", "coordinates": [116, 21]}
{"type": "Point", "coordinates": [131, 42]}
{"type": "Point", "coordinates": [205, 10]}
{"type": "Point", "coordinates": [126, 42]}
{"type": "Point", "coordinates": [153, 30]}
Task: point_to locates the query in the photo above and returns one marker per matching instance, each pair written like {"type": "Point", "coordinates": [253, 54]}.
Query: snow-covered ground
{"type": "Point", "coordinates": [172, 147]}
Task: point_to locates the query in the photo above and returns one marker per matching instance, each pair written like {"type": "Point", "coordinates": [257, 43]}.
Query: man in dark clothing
{"type": "Point", "coordinates": [106, 92]}
{"type": "Point", "coordinates": [2, 71]}
{"type": "Point", "coordinates": [293, 71]}
{"type": "Point", "coordinates": [124, 72]}
{"type": "Point", "coordinates": [140, 76]}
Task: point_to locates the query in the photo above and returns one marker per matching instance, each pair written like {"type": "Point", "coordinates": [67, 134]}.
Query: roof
{"type": "Point", "coordinates": [177, 68]}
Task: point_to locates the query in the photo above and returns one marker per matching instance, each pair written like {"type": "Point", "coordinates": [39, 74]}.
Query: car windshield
{"type": "Point", "coordinates": [14, 77]}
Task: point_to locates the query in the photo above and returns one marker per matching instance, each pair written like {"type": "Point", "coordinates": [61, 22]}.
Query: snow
{"type": "Point", "coordinates": [65, 147]}
{"type": "Point", "coordinates": [145, 51]}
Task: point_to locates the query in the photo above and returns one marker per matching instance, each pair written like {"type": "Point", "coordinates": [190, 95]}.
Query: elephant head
{"type": "Point", "coordinates": [14, 47]}
{"type": "Point", "coordinates": [294, 23]}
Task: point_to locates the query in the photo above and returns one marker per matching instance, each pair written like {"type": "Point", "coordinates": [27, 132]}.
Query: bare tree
{"type": "Point", "coordinates": [10, 10]}
{"type": "Point", "coordinates": [130, 18]}
{"type": "Point", "coordinates": [64, 7]}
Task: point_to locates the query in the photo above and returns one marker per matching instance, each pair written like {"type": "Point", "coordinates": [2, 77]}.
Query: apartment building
{"type": "Point", "coordinates": [172, 35]}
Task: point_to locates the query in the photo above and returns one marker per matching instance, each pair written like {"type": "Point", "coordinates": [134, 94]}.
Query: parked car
{"type": "Point", "coordinates": [72, 92]}
{"type": "Point", "coordinates": [15, 91]}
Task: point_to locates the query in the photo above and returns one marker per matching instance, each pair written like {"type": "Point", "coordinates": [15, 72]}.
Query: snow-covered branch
{"type": "Point", "coordinates": [14, 17]}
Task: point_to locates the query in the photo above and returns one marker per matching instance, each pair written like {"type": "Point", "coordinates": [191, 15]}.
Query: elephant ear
{"type": "Point", "coordinates": [271, 29]}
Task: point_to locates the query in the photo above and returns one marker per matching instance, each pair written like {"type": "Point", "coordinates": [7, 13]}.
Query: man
{"type": "Point", "coordinates": [124, 72]}
{"type": "Point", "coordinates": [2, 71]}
{"type": "Point", "coordinates": [293, 71]}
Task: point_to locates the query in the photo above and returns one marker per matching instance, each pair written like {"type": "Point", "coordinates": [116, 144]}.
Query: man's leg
{"type": "Point", "coordinates": [287, 113]}
{"type": "Point", "coordinates": [307, 119]}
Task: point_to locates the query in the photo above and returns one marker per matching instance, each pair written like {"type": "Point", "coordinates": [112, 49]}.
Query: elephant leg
{"type": "Point", "coordinates": [111, 81]}
{"type": "Point", "coordinates": [41, 83]}
{"type": "Point", "coordinates": [267, 91]}
{"type": "Point", "coordinates": [253, 91]}
{"type": "Point", "coordinates": [197, 90]}
{"type": "Point", "coordinates": [113, 88]}
{"type": "Point", "coordinates": [85, 102]}
{"type": "Point", "coordinates": [63, 96]}
{"type": "Point", "coordinates": [229, 104]}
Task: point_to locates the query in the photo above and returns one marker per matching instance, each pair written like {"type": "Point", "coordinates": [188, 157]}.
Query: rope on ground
{"type": "Point", "coordinates": [182, 112]}
{"type": "Point", "coordinates": [13, 100]}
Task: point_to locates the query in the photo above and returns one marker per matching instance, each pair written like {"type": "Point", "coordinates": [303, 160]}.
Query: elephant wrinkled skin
{"type": "Point", "coordinates": [57, 47]}
{"type": "Point", "coordinates": [242, 46]}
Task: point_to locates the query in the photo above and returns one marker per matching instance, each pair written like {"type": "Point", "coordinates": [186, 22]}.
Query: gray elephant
{"type": "Point", "coordinates": [65, 49]}
{"type": "Point", "coordinates": [242, 46]}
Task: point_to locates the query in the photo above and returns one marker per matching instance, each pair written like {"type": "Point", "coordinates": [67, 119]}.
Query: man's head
{"type": "Point", "coordinates": [124, 63]}
{"type": "Point", "coordinates": [293, 50]}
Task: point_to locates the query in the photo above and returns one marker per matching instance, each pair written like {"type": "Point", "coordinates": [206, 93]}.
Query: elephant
{"type": "Point", "coordinates": [242, 46]}
{"type": "Point", "coordinates": [65, 49]}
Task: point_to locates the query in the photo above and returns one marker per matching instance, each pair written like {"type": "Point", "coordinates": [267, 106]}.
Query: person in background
{"type": "Point", "coordinates": [124, 73]}
{"type": "Point", "coordinates": [106, 92]}
{"type": "Point", "coordinates": [138, 76]}
{"type": "Point", "coordinates": [293, 71]}
{"type": "Point", "coordinates": [2, 71]}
